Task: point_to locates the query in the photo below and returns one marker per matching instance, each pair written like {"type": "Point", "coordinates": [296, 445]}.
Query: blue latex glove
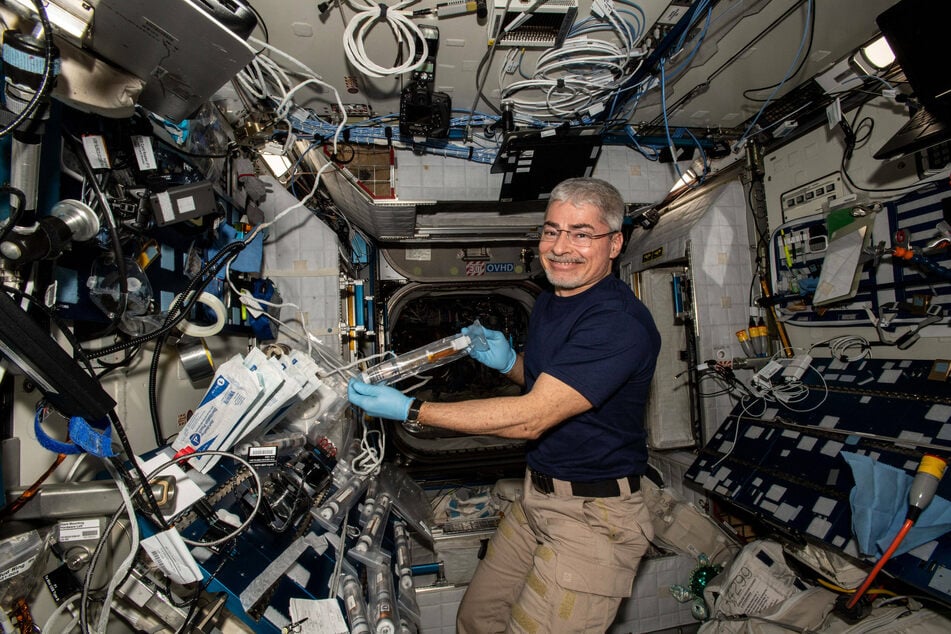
{"type": "Point", "coordinates": [500, 355]}
{"type": "Point", "coordinates": [379, 400]}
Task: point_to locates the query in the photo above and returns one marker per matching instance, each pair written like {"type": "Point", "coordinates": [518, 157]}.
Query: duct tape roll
{"type": "Point", "coordinates": [196, 359]}
{"type": "Point", "coordinates": [197, 330]}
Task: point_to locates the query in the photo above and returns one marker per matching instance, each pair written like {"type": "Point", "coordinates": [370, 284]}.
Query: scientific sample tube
{"type": "Point", "coordinates": [355, 605]}
{"type": "Point", "coordinates": [427, 357]}
{"type": "Point", "coordinates": [369, 501]}
{"type": "Point", "coordinates": [372, 533]}
{"type": "Point", "coordinates": [403, 562]}
{"type": "Point", "coordinates": [382, 607]}
{"type": "Point", "coordinates": [758, 335]}
{"type": "Point", "coordinates": [744, 338]}
{"type": "Point", "coordinates": [333, 504]}
{"type": "Point", "coordinates": [333, 510]}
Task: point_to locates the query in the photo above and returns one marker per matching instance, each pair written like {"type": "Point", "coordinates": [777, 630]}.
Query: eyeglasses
{"type": "Point", "coordinates": [576, 238]}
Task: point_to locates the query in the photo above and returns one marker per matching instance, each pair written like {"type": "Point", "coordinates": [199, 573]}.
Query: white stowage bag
{"type": "Point", "coordinates": [760, 594]}
{"type": "Point", "coordinates": [757, 579]}
{"type": "Point", "coordinates": [682, 528]}
{"type": "Point", "coordinates": [805, 611]}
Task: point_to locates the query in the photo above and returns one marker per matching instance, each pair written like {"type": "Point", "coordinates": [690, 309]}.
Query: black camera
{"type": "Point", "coordinates": [424, 112]}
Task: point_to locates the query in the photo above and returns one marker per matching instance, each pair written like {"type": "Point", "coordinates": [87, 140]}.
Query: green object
{"type": "Point", "coordinates": [702, 574]}
{"type": "Point", "coordinates": [839, 218]}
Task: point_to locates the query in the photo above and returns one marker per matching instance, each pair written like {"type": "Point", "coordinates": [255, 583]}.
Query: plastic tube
{"type": "Point", "coordinates": [403, 562]}
{"type": "Point", "coordinates": [358, 305]}
{"type": "Point", "coordinates": [744, 338]}
{"type": "Point", "coordinates": [427, 357]}
{"type": "Point", "coordinates": [382, 609]}
{"type": "Point", "coordinates": [355, 605]}
{"type": "Point", "coordinates": [881, 563]}
{"type": "Point", "coordinates": [758, 336]}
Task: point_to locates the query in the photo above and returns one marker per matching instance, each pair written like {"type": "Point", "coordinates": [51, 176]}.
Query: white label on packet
{"type": "Point", "coordinates": [165, 206]}
{"type": "Point", "coordinates": [144, 156]}
{"type": "Point", "coordinates": [171, 555]}
{"type": "Point", "coordinates": [232, 395]}
{"type": "Point", "coordinates": [96, 152]}
{"type": "Point", "coordinates": [78, 530]}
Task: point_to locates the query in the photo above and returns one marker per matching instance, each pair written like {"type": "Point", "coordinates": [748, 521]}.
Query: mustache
{"type": "Point", "coordinates": [564, 259]}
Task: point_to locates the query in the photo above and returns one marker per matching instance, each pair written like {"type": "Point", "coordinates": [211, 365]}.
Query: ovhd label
{"type": "Point", "coordinates": [476, 269]}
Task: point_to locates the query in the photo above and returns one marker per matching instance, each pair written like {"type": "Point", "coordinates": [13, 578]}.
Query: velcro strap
{"type": "Point", "coordinates": [91, 439]}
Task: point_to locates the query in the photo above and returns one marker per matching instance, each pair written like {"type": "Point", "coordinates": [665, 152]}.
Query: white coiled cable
{"type": "Point", "coordinates": [406, 32]}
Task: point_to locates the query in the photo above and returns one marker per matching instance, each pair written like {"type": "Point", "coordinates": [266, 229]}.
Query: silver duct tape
{"type": "Point", "coordinates": [196, 359]}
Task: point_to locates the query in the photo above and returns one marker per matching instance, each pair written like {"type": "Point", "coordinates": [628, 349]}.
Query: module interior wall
{"type": "Point", "coordinates": [721, 272]}
{"type": "Point", "coordinates": [301, 258]}
{"type": "Point", "coordinates": [430, 177]}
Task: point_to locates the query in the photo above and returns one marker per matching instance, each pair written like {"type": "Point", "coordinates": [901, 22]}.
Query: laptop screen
{"type": "Point", "coordinates": [183, 53]}
{"type": "Point", "coordinates": [917, 31]}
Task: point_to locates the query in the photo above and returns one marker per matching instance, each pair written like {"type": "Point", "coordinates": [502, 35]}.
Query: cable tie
{"type": "Point", "coordinates": [383, 10]}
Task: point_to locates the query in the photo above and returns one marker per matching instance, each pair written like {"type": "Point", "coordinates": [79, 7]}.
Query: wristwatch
{"type": "Point", "coordinates": [412, 416]}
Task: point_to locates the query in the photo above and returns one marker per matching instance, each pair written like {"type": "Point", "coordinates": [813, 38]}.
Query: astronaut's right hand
{"type": "Point", "coordinates": [381, 401]}
{"type": "Point", "coordinates": [500, 355]}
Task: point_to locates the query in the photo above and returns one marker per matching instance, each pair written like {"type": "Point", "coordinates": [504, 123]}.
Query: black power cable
{"type": "Point", "coordinates": [113, 237]}
{"type": "Point", "coordinates": [46, 82]}
{"type": "Point", "coordinates": [193, 293]}
{"type": "Point", "coordinates": [15, 213]}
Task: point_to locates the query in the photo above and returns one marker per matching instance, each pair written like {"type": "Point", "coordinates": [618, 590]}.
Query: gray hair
{"type": "Point", "coordinates": [594, 192]}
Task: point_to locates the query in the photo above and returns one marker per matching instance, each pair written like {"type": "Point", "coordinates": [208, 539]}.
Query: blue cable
{"type": "Point", "coordinates": [693, 53]}
{"type": "Point", "coordinates": [802, 44]}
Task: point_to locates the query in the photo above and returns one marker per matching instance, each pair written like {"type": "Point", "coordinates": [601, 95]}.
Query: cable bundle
{"type": "Point", "coordinates": [406, 32]}
{"type": "Point", "coordinates": [582, 75]}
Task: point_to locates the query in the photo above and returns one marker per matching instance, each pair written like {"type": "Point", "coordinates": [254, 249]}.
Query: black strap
{"type": "Point", "coordinates": [597, 489]}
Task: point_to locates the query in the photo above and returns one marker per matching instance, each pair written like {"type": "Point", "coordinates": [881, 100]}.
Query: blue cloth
{"type": "Point", "coordinates": [604, 344]}
{"type": "Point", "coordinates": [879, 505]}
{"type": "Point", "coordinates": [249, 259]}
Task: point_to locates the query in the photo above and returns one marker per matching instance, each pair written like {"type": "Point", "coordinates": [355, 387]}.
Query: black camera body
{"type": "Point", "coordinates": [423, 111]}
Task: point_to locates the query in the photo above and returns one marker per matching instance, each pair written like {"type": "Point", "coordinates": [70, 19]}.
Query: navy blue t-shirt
{"type": "Point", "coordinates": [604, 344]}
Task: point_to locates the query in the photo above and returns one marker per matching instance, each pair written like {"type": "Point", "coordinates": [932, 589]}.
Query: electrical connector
{"type": "Point", "coordinates": [834, 113]}
{"type": "Point", "coordinates": [796, 367]}
{"type": "Point", "coordinates": [454, 7]}
{"type": "Point", "coordinates": [784, 128]}
{"type": "Point", "coordinates": [602, 8]}
{"type": "Point", "coordinates": [763, 378]}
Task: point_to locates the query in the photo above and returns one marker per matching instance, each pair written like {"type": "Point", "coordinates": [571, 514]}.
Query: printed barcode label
{"type": "Point", "coordinates": [262, 455]}
{"type": "Point", "coordinates": [172, 556]}
{"type": "Point", "coordinates": [77, 530]}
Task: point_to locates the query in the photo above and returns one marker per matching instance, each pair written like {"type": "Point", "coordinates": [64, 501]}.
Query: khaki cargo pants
{"type": "Point", "coordinates": [558, 563]}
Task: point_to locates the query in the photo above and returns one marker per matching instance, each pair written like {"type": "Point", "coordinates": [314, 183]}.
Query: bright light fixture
{"type": "Point", "coordinates": [277, 163]}
{"type": "Point", "coordinates": [874, 57]}
{"type": "Point", "coordinates": [690, 175]}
